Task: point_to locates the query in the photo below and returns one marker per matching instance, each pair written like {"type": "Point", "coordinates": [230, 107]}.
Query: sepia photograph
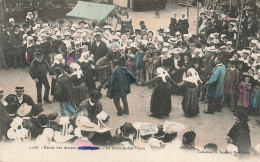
{"type": "Point", "coordinates": [129, 80]}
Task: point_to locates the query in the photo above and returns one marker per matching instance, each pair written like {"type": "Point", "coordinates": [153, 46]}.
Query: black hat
{"type": "Point", "coordinates": [127, 129]}
{"type": "Point", "coordinates": [82, 22]}
{"type": "Point", "coordinates": [241, 115]}
{"type": "Point", "coordinates": [160, 132]}
{"type": "Point", "coordinates": [188, 137]}
{"type": "Point", "coordinates": [36, 110]}
{"type": "Point", "coordinates": [137, 31]}
{"type": "Point", "coordinates": [16, 26]}
{"type": "Point", "coordinates": [19, 88]}
{"type": "Point", "coordinates": [43, 119]}
{"type": "Point", "coordinates": [53, 116]}
{"type": "Point", "coordinates": [211, 146]}
{"type": "Point", "coordinates": [232, 62]}
{"type": "Point", "coordinates": [160, 30]}
{"type": "Point", "coordinates": [38, 54]}
{"type": "Point", "coordinates": [95, 94]}
{"type": "Point", "coordinates": [115, 62]}
{"type": "Point", "coordinates": [25, 25]}
{"type": "Point", "coordinates": [141, 23]}
{"type": "Point", "coordinates": [12, 107]}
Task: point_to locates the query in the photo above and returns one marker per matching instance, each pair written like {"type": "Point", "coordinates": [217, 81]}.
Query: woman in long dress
{"type": "Point", "coordinates": [58, 62]}
{"type": "Point", "coordinates": [86, 65]}
{"type": "Point", "coordinates": [161, 103]}
{"type": "Point", "coordinates": [79, 87]}
{"type": "Point", "coordinates": [190, 102]}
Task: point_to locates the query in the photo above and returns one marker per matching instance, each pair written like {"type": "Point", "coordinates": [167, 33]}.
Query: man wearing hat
{"type": "Point", "coordinates": [239, 134]}
{"type": "Point", "coordinates": [16, 40]}
{"type": "Point", "coordinates": [38, 71]}
{"type": "Point", "coordinates": [119, 84]}
{"type": "Point", "coordinates": [19, 98]}
{"type": "Point", "coordinates": [216, 86]}
{"type": "Point", "coordinates": [231, 84]}
{"type": "Point", "coordinates": [98, 49]}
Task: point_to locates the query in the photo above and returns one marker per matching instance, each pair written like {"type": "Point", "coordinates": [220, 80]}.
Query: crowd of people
{"type": "Point", "coordinates": [220, 66]}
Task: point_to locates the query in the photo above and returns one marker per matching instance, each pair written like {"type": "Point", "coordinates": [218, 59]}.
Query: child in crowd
{"type": "Point", "coordinates": [130, 63]}
{"type": "Point", "coordinates": [244, 87]}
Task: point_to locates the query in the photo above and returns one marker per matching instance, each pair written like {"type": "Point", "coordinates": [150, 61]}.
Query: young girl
{"type": "Point", "coordinates": [130, 63]}
{"type": "Point", "coordinates": [244, 88]}
{"type": "Point", "coordinates": [70, 55]}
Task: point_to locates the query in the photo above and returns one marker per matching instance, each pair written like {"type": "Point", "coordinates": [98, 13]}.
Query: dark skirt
{"type": "Point", "coordinates": [79, 95]}
{"type": "Point", "coordinates": [190, 101]}
{"type": "Point", "coordinates": [89, 80]}
{"type": "Point", "coordinates": [161, 103]}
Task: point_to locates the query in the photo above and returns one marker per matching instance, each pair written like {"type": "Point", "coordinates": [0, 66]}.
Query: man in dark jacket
{"type": "Point", "coordinates": [16, 41]}
{"type": "Point", "coordinates": [63, 91]}
{"type": "Point", "coordinates": [38, 70]}
{"type": "Point", "coordinates": [98, 47]}
{"type": "Point", "coordinates": [119, 86]}
{"type": "Point", "coordinates": [20, 98]}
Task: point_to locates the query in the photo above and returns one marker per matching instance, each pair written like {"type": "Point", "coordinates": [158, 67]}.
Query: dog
{"type": "Point", "coordinates": [157, 14]}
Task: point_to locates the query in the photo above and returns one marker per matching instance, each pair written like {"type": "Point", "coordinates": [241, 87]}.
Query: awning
{"type": "Point", "coordinates": [92, 11]}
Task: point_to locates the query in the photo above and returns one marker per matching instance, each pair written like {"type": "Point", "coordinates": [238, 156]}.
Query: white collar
{"type": "Point", "coordinates": [60, 75]}
{"type": "Point", "coordinates": [20, 97]}
{"type": "Point", "coordinates": [91, 103]}
{"type": "Point", "coordinates": [38, 60]}
{"type": "Point", "coordinates": [232, 68]}
{"type": "Point", "coordinates": [219, 64]}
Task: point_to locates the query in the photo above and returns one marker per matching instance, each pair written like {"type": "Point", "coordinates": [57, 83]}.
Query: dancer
{"type": "Point", "coordinates": [161, 103]}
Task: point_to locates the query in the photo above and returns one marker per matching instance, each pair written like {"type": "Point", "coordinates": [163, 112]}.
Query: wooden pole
{"type": "Point", "coordinates": [240, 22]}
{"type": "Point", "coordinates": [230, 5]}
{"type": "Point", "coordinates": [198, 17]}
{"type": "Point", "coordinates": [188, 8]}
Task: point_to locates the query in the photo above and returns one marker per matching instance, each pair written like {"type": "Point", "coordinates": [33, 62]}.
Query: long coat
{"type": "Point", "coordinates": [99, 51]}
{"type": "Point", "coordinates": [120, 81]}
{"type": "Point", "coordinates": [161, 103]}
{"type": "Point", "coordinates": [216, 82]}
{"type": "Point", "coordinates": [173, 26]}
{"type": "Point", "coordinates": [64, 89]}
{"type": "Point", "coordinates": [183, 25]}
{"type": "Point", "coordinates": [231, 81]}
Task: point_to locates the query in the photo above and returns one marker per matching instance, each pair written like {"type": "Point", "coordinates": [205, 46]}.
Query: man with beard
{"type": "Point", "coordinates": [216, 86]}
